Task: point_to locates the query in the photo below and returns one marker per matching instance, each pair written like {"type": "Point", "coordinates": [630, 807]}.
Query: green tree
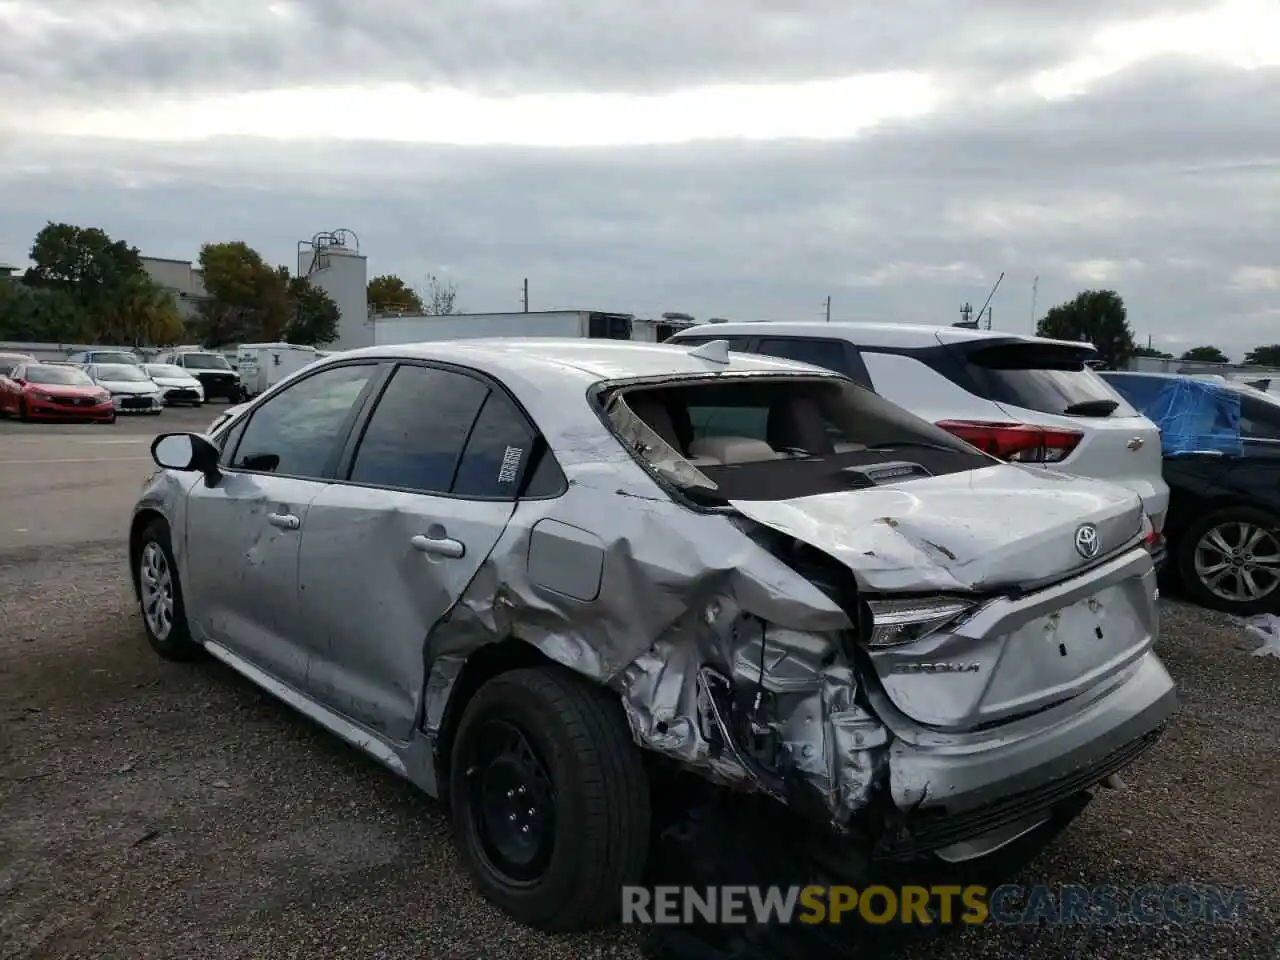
{"type": "Point", "coordinates": [1094, 316]}
{"type": "Point", "coordinates": [247, 299]}
{"type": "Point", "coordinates": [143, 314]}
{"type": "Point", "coordinates": [1151, 352]}
{"type": "Point", "coordinates": [390, 294]}
{"type": "Point", "coordinates": [84, 262]}
{"type": "Point", "coordinates": [315, 315]}
{"type": "Point", "coordinates": [1268, 356]}
{"type": "Point", "coordinates": [40, 315]}
{"type": "Point", "coordinates": [1205, 355]}
{"type": "Point", "coordinates": [440, 299]}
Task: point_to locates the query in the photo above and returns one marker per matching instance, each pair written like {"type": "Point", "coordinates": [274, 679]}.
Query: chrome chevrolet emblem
{"type": "Point", "coordinates": [1087, 542]}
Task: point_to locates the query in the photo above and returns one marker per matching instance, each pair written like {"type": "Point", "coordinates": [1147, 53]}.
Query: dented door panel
{"type": "Point", "coordinates": [378, 569]}
{"type": "Point", "coordinates": [241, 587]}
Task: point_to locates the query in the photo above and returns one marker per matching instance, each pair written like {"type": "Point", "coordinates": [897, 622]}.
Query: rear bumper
{"type": "Point", "coordinates": [956, 787]}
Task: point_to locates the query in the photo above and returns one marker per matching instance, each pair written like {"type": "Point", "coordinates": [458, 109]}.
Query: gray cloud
{"type": "Point", "coordinates": [1163, 183]}
{"type": "Point", "coordinates": [531, 45]}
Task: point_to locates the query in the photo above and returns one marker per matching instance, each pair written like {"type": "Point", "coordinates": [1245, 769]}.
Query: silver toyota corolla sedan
{"type": "Point", "coordinates": [548, 579]}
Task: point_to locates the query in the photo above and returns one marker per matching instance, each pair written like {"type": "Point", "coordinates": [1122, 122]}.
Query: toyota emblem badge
{"type": "Point", "coordinates": [1087, 542]}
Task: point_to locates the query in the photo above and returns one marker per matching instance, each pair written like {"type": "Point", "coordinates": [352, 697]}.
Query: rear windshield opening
{"type": "Point", "coordinates": [1046, 378]}
{"type": "Point", "coordinates": [776, 439]}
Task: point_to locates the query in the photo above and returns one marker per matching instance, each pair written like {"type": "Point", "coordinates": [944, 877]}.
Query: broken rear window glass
{"type": "Point", "coordinates": [777, 438]}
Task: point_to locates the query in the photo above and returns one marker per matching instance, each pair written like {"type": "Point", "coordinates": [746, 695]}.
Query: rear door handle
{"type": "Point", "coordinates": [285, 521]}
{"type": "Point", "coordinates": [439, 546]}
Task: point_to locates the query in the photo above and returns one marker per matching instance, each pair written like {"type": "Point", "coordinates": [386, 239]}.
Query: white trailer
{"type": "Point", "coordinates": [263, 365]}
{"type": "Point", "coordinates": [419, 328]}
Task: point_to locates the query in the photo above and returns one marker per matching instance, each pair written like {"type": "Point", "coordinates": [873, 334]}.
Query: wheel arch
{"type": "Point", "coordinates": [481, 666]}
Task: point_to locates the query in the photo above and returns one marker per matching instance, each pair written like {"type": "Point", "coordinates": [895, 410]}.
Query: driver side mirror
{"type": "Point", "coordinates": [187, 452]}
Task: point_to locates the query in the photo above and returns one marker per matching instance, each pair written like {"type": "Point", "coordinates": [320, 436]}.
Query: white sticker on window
{"type": "Point", "coordinates": [510, 465]}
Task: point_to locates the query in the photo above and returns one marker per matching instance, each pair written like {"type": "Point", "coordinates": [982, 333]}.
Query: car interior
{"type": "Point", "coordinates": [831, 439]}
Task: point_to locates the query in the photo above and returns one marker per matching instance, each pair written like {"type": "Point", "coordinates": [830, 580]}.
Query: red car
{"type": "Point", "coordinates": [45, 391]}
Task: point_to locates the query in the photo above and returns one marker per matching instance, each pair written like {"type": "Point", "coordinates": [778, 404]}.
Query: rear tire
{"type": "Point", "coordinates": [1220, 541]}
{"type": "Point", "coordinates": [557, 751]}
{"type": "Point", "coordinates": [164, 616]}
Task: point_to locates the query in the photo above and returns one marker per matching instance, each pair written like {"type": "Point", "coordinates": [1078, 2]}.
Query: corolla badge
{"type": "Point", "coordinates": [1087, 541]}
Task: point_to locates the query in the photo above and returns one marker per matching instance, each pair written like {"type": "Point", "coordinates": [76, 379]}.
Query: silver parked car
{"type": "Point", "coordinates": [549, 579]}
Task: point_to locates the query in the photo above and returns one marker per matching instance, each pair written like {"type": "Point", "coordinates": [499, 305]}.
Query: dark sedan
{"type": "Point", "coordinates": [1223, 527]}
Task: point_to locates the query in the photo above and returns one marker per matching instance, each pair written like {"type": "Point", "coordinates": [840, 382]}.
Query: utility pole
{"type": "Point", "coordinates": [525, 297]}
{"type": "Point", "coordinates": [1035, 289]}
{"type": "Point", "coordinates": [828, 308]}
{"type": "Point", "coordinates": [988, 318]}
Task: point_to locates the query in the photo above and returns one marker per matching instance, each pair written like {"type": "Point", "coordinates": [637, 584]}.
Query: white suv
{"type": "Point", "coordinates": [1024, 399]}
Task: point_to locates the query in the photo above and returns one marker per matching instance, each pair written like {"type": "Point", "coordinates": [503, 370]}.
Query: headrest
{"type": "Point", "coordinates": [796, 423]}
{"type": "Point", "coordinates": [728, 450]}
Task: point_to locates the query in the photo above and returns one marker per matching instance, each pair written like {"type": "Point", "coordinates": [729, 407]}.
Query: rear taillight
{"type": "Point", "coordinates": [1017, 442]}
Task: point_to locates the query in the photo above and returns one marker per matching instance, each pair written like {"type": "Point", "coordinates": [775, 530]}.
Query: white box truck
{"type": "Point", "coordinates": [418, 328]}
{"type": "Point", "coordinates": [263, 365]}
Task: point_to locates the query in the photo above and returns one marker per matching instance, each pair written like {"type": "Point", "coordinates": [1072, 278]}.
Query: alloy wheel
{"type": "Point", "coordinates": [155, 580]}
{"type": "Point", "coordinates": [1238, 561]}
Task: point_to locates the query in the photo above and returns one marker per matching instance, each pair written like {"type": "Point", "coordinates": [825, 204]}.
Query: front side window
{"type": "Point", "coordinates": [299, 432]}
{"type": "Point", "coordinates": [1259, 418]}
{"type": "Point", "coordinates": [415, 436]}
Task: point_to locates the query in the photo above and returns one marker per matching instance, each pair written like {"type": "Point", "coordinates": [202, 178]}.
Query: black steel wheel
{"type": "Point", "coordinates": [512, 802]}
{"type": "Point", "coordinates": [549, 798]}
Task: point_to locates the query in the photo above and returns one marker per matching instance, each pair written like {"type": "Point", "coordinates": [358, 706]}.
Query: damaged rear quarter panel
{"type": "Point", "coordinates": [669, 605]}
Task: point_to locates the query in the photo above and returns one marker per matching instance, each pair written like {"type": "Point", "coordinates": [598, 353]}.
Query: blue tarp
{"type": "Point", "coordinates": [1194, 416]}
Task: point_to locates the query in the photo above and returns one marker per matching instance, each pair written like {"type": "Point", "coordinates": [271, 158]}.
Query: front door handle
{"type": "Point", "coordinates": [285, 521]}
{"type": "Point", "coordinates": [439, 546]}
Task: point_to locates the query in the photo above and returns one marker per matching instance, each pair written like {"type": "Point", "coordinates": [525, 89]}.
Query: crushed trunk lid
{"type": "Point", "coordinates": [982, 530]}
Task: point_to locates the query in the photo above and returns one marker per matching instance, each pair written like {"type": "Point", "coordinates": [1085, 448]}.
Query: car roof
{"type": "Point", "coordinates": [869, 334]}
{"type": "Point", "coordinates": [551, 360]}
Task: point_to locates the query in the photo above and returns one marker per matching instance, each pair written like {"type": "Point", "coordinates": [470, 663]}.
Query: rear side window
{"type": "Point", "coordinates": [831, 354]}
{"type": "Point", "coordinates": [416, 433]}
{"type": "Point", "coordinates": [1045, 378]}
{"type": "Point", "coordinates": [502, 447]}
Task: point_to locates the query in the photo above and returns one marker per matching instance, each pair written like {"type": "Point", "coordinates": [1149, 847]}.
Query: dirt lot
{"type": "Point", "coordinates": [155, 810]}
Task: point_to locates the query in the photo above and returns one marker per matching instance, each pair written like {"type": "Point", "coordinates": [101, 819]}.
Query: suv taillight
{"type": "Point", "coordinates": [1017, 442]}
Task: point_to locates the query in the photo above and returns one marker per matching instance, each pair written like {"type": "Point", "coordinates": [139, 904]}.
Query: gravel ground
{"type": "Point", "coordinates": [157, 810]}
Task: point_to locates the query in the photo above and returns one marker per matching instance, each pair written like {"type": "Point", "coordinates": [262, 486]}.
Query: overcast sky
{"type": "Point", "coordinates": [742, 158]}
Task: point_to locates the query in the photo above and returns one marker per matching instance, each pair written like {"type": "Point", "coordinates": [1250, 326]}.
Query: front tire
{"type": "Point", "coordinates": [1229, 560]}
{"type": "Point", "coordinates": [23, 413]}
{"type": "Point", "coordinates": [549, 799]}
{"type": "Point", "coordinates": [164, 617]}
